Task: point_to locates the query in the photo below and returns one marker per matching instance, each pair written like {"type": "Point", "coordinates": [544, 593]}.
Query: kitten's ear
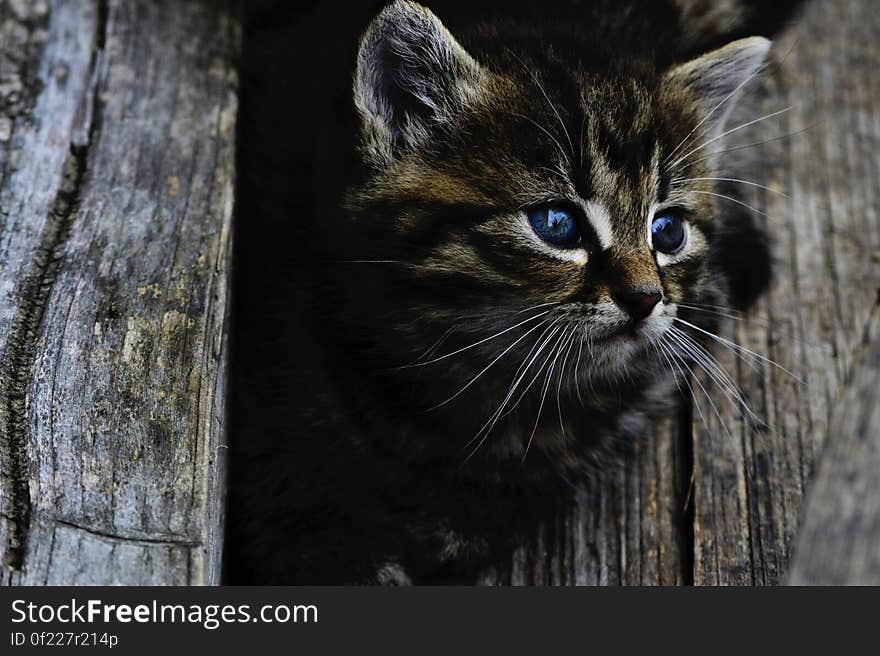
{"type": "Point", "coordinates": [717, 78]}
{"type": "Point", "coordinates": [410, 72]}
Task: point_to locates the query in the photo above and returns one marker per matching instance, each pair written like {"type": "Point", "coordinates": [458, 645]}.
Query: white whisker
{"type": "Point", "coordinates": [557, 350]}
{"type": "Point", "coordinates": [568, 347]}
{"type": "Point", "coordinates": [430, 350]}
{"type": "Point", "coordinates": [547, 98]}
{"type": "Point", "coordinates": [475, 344]}
{"type": "Point", "coordinates": [745, 182]}
{"type": "Point", "coordinates": [696, 379]}
{"type": "Point", "coordinates": [728, 132]}
{"type": "Point", "coordinates": [670, 353]}
{"type": "Point", "coordinates": [714, 370]}
{"type": "Point", "coordinates": [547, 132]}
{"type": "Point", "coordinates": [577, 368]}
{"type": "Point", "coordinates": [737, 347]}
{"type": "Point", "coordinates": [708, 310]}
{"type": "Point", "coordinates": [732, 200]}
{"type": "Point", "coordinates": [487, 367]}
{"type": "Point", "coordinates": [487, 427]}
{"type": "Point", "coordinates": [715, 109]}
{"type": "Point", "coordinates": [535, 307]}
{"type": "Point", "coordinates": [365, 262]}
{"type": "Point", "coordinates": [753, 144]}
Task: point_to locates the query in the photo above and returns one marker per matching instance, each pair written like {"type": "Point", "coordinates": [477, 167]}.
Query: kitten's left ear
{"type": "Point", "coordinates": [717, 78]}
{"type": "Point", "coordinates": [410, 72]}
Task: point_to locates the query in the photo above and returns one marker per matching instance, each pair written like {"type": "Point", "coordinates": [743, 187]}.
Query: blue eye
{"type": "Point", "coordinates": [667, 233]}
{"type": "Point", "coordinates": [556, 226]}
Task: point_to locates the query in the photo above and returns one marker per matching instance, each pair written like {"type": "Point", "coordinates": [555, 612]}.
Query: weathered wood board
{"type": "Point", "coordinates": [717, 498]}
{"type": "Point", "coordinates": [750, 487]}
{"type": "Point", "coordinates": [117, 125]}
{"type": "Point", "coordinates": [839, 542]}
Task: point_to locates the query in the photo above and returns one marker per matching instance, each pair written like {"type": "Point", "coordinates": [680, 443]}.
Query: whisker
{"type": "Point", "coordinates": [715, 109]}
{"type": "Point", "coordinates": [676, 181]}
{"type": "Point", "coordinates": [535, 377]}
{"type": "Point", "coordinates": [732, 387]}
{"type": "Point", "coordinates": [547, 98]}
{"type": "Point", "coordinates": [558, 350]}
{"type": "Point", "coordinates": [535, 307]}
{"type": "Point", "coordinates": [782, 194]}
{"type": "Point", "coordinates": [728, 132]}
{"type": "Point", "coordinates": [714, 370]}
{"type": "Point", "coordinates": [568, 347]}
{"type": "Point", "coordinates": [581, 140]}
{"type": "Point", "coordinates": [733, 200]}
{"type": "Point", "coordinates": [545, 131]}
{"type": "Point", "coordinates": [755, 143]}
{"type": "Point", "coordinates": [496, 415]}
{"type": "Point", "coordinates": [482, 341]}
{"type": "Point", "coordinates": [696, 379]}
{"type": "Point", "coordinates": [669, 353]}
{"type": "Point", "coordinates": [561, 176]}
{"type": "Point", "coordinates": [526, 363]}
{"type": "Point", "coordinates": [365, 262]}
{"type": "Point", "coordinates": [711, 311]}
{"type": "Point", "coordinates": [736, 315]}
{"type": "Point", "coordinates": [577, 369]}
{"type": "Point", "coordinates": [532, 381]}
{"type": "Point", "coordinates": [715, 306]}
{"type": "Point", "coordinates": [430, 350]}
{"type": "Point", "coordinates": [734, 345]}
{"type": "Point", "coordinates": [489, 366]}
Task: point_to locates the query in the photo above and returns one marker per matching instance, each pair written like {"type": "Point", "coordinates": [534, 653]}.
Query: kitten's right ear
{"type": "Point", "coordinates": [410, 72]}
{"type": "Point", "coordinates": [716, 79]}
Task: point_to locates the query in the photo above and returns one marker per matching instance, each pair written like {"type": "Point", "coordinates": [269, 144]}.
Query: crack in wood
{"type": "Point", "coordinates": [685, 489]}
{"type": "Point", "coordinates": [165, 540]}
{"type": "Point", "coordinates": [17, 359]}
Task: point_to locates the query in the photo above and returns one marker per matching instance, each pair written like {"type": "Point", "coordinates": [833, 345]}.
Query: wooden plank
{"type": "Point", "coordinates": [624, 529]}
{"type": "Point", "coordinates": [33, 155]}
{"type": "Point", "coordinates": [751, 479]}
{"type": "Point", "coordinates": [839, 543]}
{"type": "Point", "coordinates": [113, 402]}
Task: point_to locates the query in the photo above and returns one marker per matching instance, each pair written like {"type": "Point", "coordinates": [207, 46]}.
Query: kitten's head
{"type": "Point", "coordinates": [515, 186]}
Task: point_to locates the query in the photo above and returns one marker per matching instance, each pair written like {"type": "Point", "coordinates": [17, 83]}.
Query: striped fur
{"type": "Point", "coordinates": [458, 141]}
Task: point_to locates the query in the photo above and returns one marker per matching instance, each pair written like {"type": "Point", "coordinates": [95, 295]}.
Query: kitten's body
{"type": "Point", "coordinates": [419, 450]}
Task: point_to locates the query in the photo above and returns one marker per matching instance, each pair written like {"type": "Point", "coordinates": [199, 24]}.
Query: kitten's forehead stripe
{"type": "Point", "coordinates": [600, 219]}
{"type": "Point", "coordinates": [622, 142]}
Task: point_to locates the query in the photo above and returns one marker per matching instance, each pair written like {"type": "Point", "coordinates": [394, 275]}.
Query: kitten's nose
{"type": "Point", "coordinates": [638, 303]}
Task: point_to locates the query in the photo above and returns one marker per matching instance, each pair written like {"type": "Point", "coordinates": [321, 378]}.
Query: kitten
{"type": "Point", "coordinates": [497, 309]}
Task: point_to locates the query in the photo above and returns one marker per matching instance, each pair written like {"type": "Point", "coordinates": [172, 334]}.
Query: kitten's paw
{"type": "Point", "coordinates": [393, 574]}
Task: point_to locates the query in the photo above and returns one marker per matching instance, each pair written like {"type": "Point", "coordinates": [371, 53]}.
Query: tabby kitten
{"type": "Point", "coordinates": [498, 309]}
{"type": "Point", "coordinates": [543, 217]}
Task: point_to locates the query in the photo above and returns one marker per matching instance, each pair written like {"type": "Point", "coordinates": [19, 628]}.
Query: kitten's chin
{"type": "Point", "coordinates": [628, 332]}
{"type": "Point", "coordinates": [613, 356]}
{"type": "Point", "coordinates": [617, 351]}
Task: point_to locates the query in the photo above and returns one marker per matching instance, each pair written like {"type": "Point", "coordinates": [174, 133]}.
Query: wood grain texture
{"type": "Point", "coordinates": [752, 473]}
{"type": "Point", "coordinates": [839, 542]}
{"type": "Point", "coordinates": [117, 194]}
{"type": "Point", "coordinates": [624, 529]}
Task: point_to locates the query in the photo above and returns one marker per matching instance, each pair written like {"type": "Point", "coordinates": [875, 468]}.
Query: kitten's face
{"type": "Point", "coordinates": [525, 192]}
